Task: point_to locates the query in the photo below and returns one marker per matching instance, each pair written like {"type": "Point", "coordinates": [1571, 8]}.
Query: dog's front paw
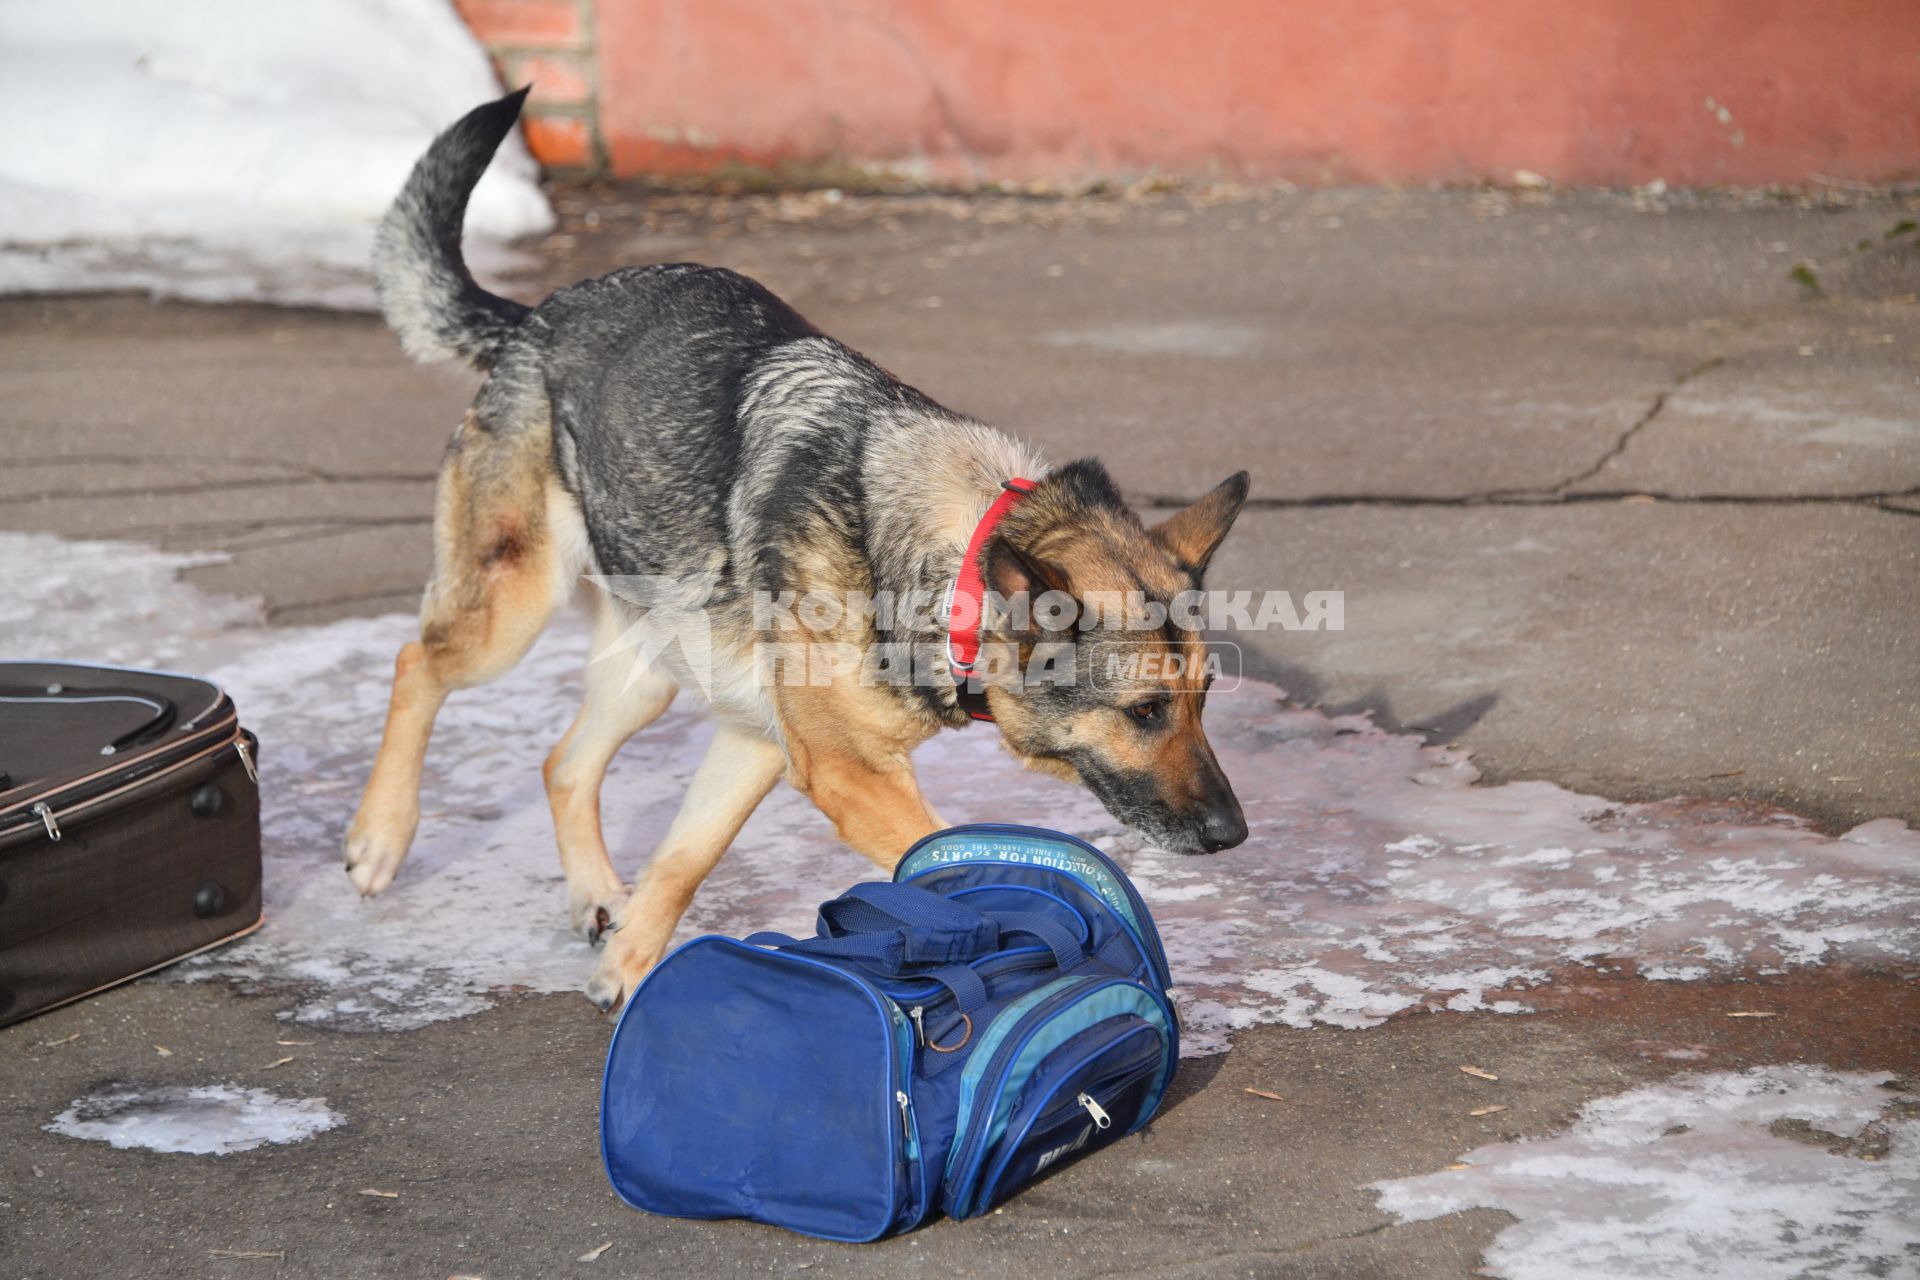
{"type": "Point", "coordinates": [592, 909]}
{"type": "Point", "coordinates": [375, 848]}
{"type": "Point", "coordinates": [622, 966]}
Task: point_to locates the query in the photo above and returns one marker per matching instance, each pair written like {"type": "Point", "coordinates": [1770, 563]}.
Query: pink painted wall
{"type": "Point", "coordinates": [1320, 91]}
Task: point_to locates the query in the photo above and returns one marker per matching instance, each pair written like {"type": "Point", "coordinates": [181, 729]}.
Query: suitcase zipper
{"type": "Point", "coordinates": [112, 779]}
{"type": "Point", "coordinates": [50, 818]}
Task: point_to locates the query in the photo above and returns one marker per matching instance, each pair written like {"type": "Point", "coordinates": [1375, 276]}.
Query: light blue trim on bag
{"type": "Point", "coordinates": [1117, 999]}
{"type": "Point", "coordinates": [1095, 1008]}
{"type": "Point", "coordinates": [989, 1046]}
{"type": "Point", "coordinates": [1021, 850]}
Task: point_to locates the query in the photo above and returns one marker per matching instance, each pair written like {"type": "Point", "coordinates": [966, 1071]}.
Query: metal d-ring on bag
{"type": "Point", "coordinates": [996, 1010]}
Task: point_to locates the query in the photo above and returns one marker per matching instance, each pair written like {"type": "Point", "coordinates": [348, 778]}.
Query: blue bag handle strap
{"type": "Point", "coordinates": [879, 905]}
{"type": "Point", "coordinates": [931, 929]}
{"type": "Point", "coordinates": [884, 950]}
{"type": "Point", "coordinates": [1066, 948]}
{"type": "Point", "coordinates": [899, 904]}
{"type": "Point", "coordinates": [968, 988]}
{"type": "Point", "coordinates": [896, 935]}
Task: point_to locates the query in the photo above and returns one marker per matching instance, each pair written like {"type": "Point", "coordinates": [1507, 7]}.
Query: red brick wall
{"type": "Point", "coordinates": [550, 44]}
{"type": "Point", "coordinates": [1583, 91]}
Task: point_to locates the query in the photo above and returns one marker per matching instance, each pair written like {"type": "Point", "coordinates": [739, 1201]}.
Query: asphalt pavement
{"type": "Point", "coordinates": [1622, 492]}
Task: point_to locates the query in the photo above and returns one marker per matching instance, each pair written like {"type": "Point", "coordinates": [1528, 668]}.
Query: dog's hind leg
{"type": "Point", "coordinates": [733, 778]}
{"type": "Point", "coordinates": [505, 553]}
{"type": "Point", "coordinates": [624, 695]}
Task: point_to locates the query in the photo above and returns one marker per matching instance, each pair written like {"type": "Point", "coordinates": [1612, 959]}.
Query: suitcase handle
{"type": "Point", "coordinates": [164, 712]}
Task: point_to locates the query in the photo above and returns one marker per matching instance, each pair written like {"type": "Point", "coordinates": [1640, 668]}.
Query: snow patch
{"type": "Point", "coordinates": [1167, 338]}
{"type": "Point", "coordinates": [1701, 1176]}
{"type": "Point", "coordinates": [1376, 879]}
{"type": "Point", "coordinates": [232, 150]}
{"type": "Point", "coordinates": [200, 1120]}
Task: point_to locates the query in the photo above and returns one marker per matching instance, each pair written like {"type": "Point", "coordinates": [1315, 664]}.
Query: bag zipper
{"type": "Point", "coordinates": [1019, 1032]}
{"type": "Point", "coordinates": [1101, 1120]}
{"type": "Point", "coordinates": [1104, 1082]}
{"type": "Point", "coordinates": [914, 1200]}
{"type": "Point", "coordinates": [991, 1178]}
{"type": "Point", "coordinates": [1053, 996]}
{"type": "Point", "coordinates": [112, 784]}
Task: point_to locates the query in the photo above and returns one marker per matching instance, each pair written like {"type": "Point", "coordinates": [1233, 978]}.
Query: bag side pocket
{"type": "Point", "coordinates": [1094, 1090]}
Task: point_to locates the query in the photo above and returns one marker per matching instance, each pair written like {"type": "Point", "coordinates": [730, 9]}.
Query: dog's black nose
{"type": "Point", "coordinates": [1223, 827]}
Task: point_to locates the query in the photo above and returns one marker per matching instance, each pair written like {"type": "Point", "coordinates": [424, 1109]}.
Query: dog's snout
{"type": "Point", "coordinates": [1224, 826]}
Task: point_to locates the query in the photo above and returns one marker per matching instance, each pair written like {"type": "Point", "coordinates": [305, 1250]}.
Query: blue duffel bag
{"type": "Point", "coordinates": [997, 1010]}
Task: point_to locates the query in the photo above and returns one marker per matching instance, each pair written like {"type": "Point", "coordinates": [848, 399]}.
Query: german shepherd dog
{"type": "Point", "coordinates": [680, 422]}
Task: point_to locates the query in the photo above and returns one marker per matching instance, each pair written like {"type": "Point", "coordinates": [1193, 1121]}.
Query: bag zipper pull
{"type": "Point", "coordinates": [918, 1013]}
{"type": "Point", "coordinates": [246, 758]}
{"type": "Point", "coordinates": [46, 817]}
{"type": "Point", "coordinates": [1101, 1120]}
{"type": "Point", "coordinates": [906, 1106]}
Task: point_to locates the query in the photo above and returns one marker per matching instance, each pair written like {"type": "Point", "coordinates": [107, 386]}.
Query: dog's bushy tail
{"type": "Point", "coordinates": [426, 293]}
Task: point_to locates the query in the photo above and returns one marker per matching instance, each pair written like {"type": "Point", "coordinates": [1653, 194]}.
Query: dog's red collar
{"type": "Point", "coordinates": [965, 596]}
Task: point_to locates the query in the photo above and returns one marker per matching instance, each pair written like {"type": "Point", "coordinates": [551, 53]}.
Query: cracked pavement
{"type": "Point", "coordinates": [1615, 501]}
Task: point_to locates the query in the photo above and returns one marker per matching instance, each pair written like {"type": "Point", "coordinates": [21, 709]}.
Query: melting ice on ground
{"type": "Point", "coordinates": [1376, 878]}
{"type": "Point", "coordinates": [1767, 1174]}
{"type": "Point", "coordinates": [201, 1120]}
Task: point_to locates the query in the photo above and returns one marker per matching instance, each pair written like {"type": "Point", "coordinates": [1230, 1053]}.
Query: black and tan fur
{"type": "Point", "coordinates": [682, 422]}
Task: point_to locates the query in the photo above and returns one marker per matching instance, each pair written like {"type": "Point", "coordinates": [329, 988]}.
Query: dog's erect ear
{"type": "Point", "coordinates": [1012, 572]}
{"type": "Point", "coordinates": [1194, 534]}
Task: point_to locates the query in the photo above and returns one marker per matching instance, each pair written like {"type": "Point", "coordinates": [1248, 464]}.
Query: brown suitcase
{"type": "Point", "coordinates": [129, 828]}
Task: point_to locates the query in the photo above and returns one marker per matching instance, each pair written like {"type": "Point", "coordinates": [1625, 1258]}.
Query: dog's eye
{"type": "Point", "coordinates": [1145, 712]}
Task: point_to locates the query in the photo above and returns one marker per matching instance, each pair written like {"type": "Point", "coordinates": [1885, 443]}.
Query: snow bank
{"type": "Point", "coordinates": [1376, 877]}
{"type": "Point", "coordinates": [1702, 1176]}
{"type": "Point", "coordinates": [231, 149]}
